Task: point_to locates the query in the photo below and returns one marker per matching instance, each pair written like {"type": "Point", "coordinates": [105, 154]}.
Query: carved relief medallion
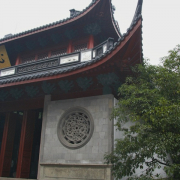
{"type": "Point", "coordinates": [75, 128]}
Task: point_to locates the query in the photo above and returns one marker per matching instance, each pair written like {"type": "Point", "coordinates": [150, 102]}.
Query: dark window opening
{"type": "Point", "coordinates": [36, 146]}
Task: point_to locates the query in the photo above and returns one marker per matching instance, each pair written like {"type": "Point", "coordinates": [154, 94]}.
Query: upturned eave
{"type": "Point", "coordinates": [127, 50]}
{"type": "Point", "coordinates": [68, 21]}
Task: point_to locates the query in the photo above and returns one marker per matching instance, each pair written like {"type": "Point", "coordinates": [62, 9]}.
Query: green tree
{"type": "Point", "coordinates": [150, 99]}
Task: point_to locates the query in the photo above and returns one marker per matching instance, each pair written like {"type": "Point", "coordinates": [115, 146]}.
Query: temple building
{"type": "Point", "coordinates": [58, 86]}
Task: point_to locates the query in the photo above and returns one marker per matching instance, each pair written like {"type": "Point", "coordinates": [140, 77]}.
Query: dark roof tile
{"type": "Point", "coordinates": [55, 23]}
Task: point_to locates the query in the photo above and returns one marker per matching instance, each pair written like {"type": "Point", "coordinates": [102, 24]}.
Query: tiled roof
{"type": "Point", "coordinates": [69, 68]}
{"type": "Point", "coordinates": [55, 23]}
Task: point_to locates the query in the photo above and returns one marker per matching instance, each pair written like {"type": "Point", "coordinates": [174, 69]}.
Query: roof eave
{"type": "Point", "coordinates": [99, 60]}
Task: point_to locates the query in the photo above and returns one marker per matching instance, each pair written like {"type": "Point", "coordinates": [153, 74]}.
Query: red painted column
{"type": "Point", "coordinates": [69, 49]}
{"type": "Point", "coordinates": [25, 146]}
{"type": "Point", "coordinates": [21, 146]}
{"type": "Point", "coordinates": [17, 60]}
{"type": "Point", "coordinates": [3, 146]}
{"type": "Point", "coordinates": [91, 42]}
{"type": "Point", "coordinates": [36, 57]}
{"type": "Point", "coordinates": [49, 54]}
{"type": "Point", "coordinates": [7, 145]}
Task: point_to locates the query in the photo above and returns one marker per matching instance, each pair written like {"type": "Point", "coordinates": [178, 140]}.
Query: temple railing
{"type": "Point", "coordinates": [56, 62]}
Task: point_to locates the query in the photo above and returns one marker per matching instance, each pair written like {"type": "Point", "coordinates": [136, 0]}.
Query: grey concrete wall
{"type": "Point", "coordinates": [53, 152]}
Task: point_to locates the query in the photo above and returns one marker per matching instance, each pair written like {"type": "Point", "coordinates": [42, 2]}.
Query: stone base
{"type": "Point", "coordinates": [75, 172]}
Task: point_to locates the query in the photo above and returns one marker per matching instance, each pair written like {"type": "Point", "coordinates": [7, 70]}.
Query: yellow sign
{"type": "Point", "coordinates": [4, 59]}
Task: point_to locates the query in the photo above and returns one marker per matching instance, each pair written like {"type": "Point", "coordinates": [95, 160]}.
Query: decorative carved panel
{"type": "Point", "coordinates": [75, 128]}
{"type": "Point", "coordinates": [38, 66]}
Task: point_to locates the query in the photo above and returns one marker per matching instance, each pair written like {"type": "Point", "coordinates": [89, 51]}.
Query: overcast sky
{"type": "Point", "coordinates": [161, 24]}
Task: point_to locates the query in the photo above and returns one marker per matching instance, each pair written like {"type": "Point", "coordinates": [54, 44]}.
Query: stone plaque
{"type": "Point", "coordinates": [7, 72]}
{"type": "Point", "coordinates": [86, 55]}
{"type": "Point", "coordinates": [94, 53]}
{"type": "Point", "coordinates": [69, 59]}
{"type": "Point", "coordinates": [104, 48]}
{"type": "Point", "coordinates": [74, 173]}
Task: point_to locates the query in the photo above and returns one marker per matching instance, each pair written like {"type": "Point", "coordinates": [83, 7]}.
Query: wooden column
{"type": "Point", "coordinates": [17, 60]}
{"type": "Point", "coordinates": [91, 42]}
{"type": "Point", "coordinates": [49, 54]}
{"type": "Point", "coordinates": [25, 147]}
{"type": "Point", "coordinates": [7, 145]}
{"type": "Point", "coordinates": [69, 49]}
{"type": "Point", "coordinates": [36, 57]}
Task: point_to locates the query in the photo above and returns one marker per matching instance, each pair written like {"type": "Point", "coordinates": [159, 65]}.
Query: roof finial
{"type": "Point", "coordinates": [73, 12]}
{"type": "Point", "coordinates": [113, 8]}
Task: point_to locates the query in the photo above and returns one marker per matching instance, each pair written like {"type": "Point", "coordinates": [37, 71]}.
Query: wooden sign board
{"type": "Point", "coordinates": [4, 59]}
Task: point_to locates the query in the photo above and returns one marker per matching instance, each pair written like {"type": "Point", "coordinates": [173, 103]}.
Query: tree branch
{"type": "Point", "coordinates": [156, 160]}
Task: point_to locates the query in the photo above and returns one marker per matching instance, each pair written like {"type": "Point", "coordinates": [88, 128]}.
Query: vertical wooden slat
{"type": "Point", "coordinates": [25, 147]}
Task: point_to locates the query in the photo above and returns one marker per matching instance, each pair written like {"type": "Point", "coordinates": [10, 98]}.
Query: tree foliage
{"type": "Point", "coordinates": [150, 99]}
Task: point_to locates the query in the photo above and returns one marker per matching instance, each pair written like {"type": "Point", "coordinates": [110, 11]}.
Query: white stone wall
{"type": "Point", "coordinates": [52, 151]}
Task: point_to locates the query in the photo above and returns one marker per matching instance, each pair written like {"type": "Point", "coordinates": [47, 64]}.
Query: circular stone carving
{"type": "Point", "coordinates": [75, 128]}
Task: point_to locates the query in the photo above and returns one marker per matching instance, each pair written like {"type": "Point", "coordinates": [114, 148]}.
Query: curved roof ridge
{"type": "Point", "coordinates": [50, 24]}
{"type": "Point", "coordinates": [116, 24]}
{"type": "Point", "coordinates": [137, 12]}
{"type": "Point", "coordinates": [56, 23]}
